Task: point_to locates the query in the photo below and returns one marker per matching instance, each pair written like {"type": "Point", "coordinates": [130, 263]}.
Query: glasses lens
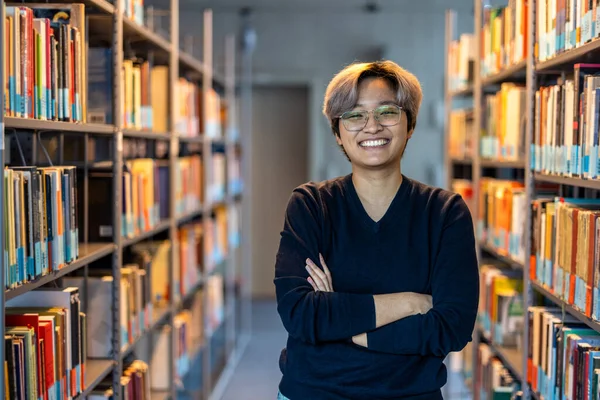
{"type": "Point", "coordinates": [388, 115]}
{"type": "Point", "coordinates": [354, 120]}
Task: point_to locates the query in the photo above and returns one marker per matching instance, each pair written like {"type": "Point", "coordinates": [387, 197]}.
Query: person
{"type": "Point", "coordinates": [376, 274]}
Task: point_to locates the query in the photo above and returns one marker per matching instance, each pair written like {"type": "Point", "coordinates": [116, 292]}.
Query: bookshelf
{"type": "Point", "coordinates": [541, 279]}
{"type": "Point", "coordinates": [210, 312]}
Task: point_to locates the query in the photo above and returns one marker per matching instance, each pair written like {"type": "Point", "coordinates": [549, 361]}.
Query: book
{"type": "Point", "coordinates": [503, 135]}
{"type": "Point", "coordinates": [461, 62]}
{"type": "Point", "coordinates": [48, 67]}
{"type": "Point", "coordinates": [504, 36]}
{"type": "Point", "coordinates": [499, 223]}
{"type": "Point", "coordinates": [42, 233]}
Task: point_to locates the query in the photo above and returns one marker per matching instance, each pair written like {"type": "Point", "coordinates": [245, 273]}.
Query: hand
{"type": "Point", "coordinates": [319, 280]}
{"type": "Point", "coordinates": [360, 340]}
{"type": "Point", "coordinates": [421, 303]}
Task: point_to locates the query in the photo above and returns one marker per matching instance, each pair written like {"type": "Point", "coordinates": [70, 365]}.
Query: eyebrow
{"type": "Point", "coordinates": [380, 103]}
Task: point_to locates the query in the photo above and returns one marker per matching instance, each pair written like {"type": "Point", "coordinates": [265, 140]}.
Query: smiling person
{"type": "Point", "coordinates": [376, 274]}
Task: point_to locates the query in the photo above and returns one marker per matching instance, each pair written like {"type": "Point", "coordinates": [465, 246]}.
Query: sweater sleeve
{"type": "Point", "coordinates": [448, 326]}
{"type": "Point", "coordinates": [308, 315]}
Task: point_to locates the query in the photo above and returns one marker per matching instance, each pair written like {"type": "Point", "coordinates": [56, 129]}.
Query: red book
{"type": "Point", "coordinates": [47, 334]}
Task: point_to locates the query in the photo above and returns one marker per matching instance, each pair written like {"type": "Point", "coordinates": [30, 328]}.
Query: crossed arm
{"type": "Point", "coordinates": [388, 307]}
{"type": "Point", "coordinates": [399, 323]}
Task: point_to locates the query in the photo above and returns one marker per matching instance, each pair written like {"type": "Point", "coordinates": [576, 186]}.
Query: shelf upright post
{"type": "Point", "coordinates": [476, 167]}
{"type": "Point", "coordinates": [173, 155]}
{"type": "Point", "coordinates": [207, 159]}
{"type": "Point", "coordinates": [117, 259]}
{"type": "Point", "coordinates": [248, 44]}
{"type": "Point", "coordinates": [531, 87]}
{"type": "Point", "coordinates": [2, 214]}
{"type": "Point", "coordinates": [230, 338]}
{"type": "Point", "coordinates": [450, 35]}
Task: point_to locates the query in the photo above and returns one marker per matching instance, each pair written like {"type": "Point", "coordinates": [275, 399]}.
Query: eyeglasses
{"type": "Point", "coordinates": [385, 115]}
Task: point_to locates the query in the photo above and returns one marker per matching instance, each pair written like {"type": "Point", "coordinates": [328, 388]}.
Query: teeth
{"type": "Point", "coordinates": [373, 143]}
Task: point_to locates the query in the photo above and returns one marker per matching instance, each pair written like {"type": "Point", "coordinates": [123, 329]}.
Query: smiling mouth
{"type": "Point", "coordinates": [374, 143]}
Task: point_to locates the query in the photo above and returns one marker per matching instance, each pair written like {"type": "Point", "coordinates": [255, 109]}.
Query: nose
{"type": "Point", "coordinates": [372, 125]}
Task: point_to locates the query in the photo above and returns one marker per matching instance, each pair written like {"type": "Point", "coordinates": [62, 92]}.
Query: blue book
{"type": "Point", "coordinates": [100, 85]}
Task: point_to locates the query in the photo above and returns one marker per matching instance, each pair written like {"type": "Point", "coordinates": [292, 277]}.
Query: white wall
{"type": "Point", "coordinates": [310, 45]}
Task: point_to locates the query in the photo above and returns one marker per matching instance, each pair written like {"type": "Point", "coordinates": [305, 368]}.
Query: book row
{"type": "Point", "coordinates": [135, 383]}
{"type": "Point", "coordinates": [45, 343]}
{"type": "Point", "coordinates": [501, 312]}
{"type": "Point", "coordinates": [49, 339]}
{"type": "Point", "coordinates": [494, 380]}
{"type": "Point", "coordinates": [461, 62]}
{"type": "Point", "coordinates": [41, 227]}
{"type": "Point", "coordinates": [45, 62]}
{"type": "Point", "coordinates": [565, 250]}
{"type": "Point", "coordinates": [503, 133]}
{"type": "Point", "coordinates": [566, 125]}
{"type": "Point", "coordinates": [504, 36]}
{"type": "Point", "coordinates": [564, 25]}
{"type": "Point", "coordinates": [563, 361]}
{"type": "Point", "coordinates": [462, 134]}
{"type": "Point", "coordinates": [499, 222]}
{"type": "Point", "coordinates": [52, 74]}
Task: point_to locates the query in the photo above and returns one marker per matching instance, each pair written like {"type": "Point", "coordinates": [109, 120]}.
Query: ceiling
{"type": "Point", "coordinates": [328, 6]}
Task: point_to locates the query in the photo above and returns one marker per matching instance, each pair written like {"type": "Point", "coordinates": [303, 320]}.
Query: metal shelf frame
{"type": "Point", "coordinates": [122, 32]}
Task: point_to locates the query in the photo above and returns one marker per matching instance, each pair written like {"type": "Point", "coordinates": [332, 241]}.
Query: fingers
{"type": "Point", "coordinates": [327, 273]}
{"type": "Point", "coordinates": [312, 283]}
{"type": "Point", "coordinates": [318, 276]}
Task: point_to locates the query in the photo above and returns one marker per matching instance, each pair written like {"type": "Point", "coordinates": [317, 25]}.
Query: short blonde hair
{"type": "Point", "coordinates": [342, 91]}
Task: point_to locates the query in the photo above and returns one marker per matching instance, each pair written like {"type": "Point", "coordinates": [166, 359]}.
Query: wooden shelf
{"type": "Point", "coordinates": [595, 325]}
{"type": "Point", "coordinates": [191, 63]}
{"type": "Point", "coordinates": [101, 5]}
{"type": "Point", "coordinates": [462, 161]}
{"type": "Point", "coordinates": [191, 139]}
{"type": "Point", "coordinates": [512, 73]}
{"type": "Point", "coordinates": [95, 372]}
{"type": "Point", "coordinates": [189, 216]}
{"type": "Point", "coordinates": [56, 126]}
{"type": "Point", "coordinates": [146, 134]}
{"type": "Point", "coordinates": [159, 395]}
{"type": "Point", "coordinates": [88, 253]}
{"type": "Point", "coordinates": [518, 164]}
{"type": "Point", "coordinates": [565, 60]}
{"type": "Point", "coordinates": [504, 258]}
{"type": "Point", "coordinates": [160, 227]}
{"type": "Point", "coordinates": [135, 32]}
{"type": "Point", "coordinates": [563, 180]}
{"type": "Point", "coordinates": [466, 92]}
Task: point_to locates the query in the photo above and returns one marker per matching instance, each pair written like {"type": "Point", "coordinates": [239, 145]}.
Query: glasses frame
{"type": "Point", "coordinates": [369, 112]}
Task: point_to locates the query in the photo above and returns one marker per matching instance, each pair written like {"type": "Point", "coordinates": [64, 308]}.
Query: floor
{"type": "Point", "coordinates": [258, 372]}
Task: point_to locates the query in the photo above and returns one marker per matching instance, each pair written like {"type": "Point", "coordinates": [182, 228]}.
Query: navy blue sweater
{"type": "Point", "coordinates": [424, 243]}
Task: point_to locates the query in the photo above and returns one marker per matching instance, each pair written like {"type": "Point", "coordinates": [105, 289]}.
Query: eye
{"type": "Point", "coordinates": [353, 116]}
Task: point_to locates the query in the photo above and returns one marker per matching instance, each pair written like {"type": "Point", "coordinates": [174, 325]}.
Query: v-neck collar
{"type": "Point", "coordinates": [365, 218]}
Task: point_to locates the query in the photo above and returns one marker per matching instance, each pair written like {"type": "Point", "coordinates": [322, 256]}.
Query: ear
{"type": "Point", "coordinates": [338, 139]}
{"type": "Point", "coordinates": [409, 134]}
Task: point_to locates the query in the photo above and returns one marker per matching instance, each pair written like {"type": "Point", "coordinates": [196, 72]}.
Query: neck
{"type": "Point", "coordinates": [377, 187]}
